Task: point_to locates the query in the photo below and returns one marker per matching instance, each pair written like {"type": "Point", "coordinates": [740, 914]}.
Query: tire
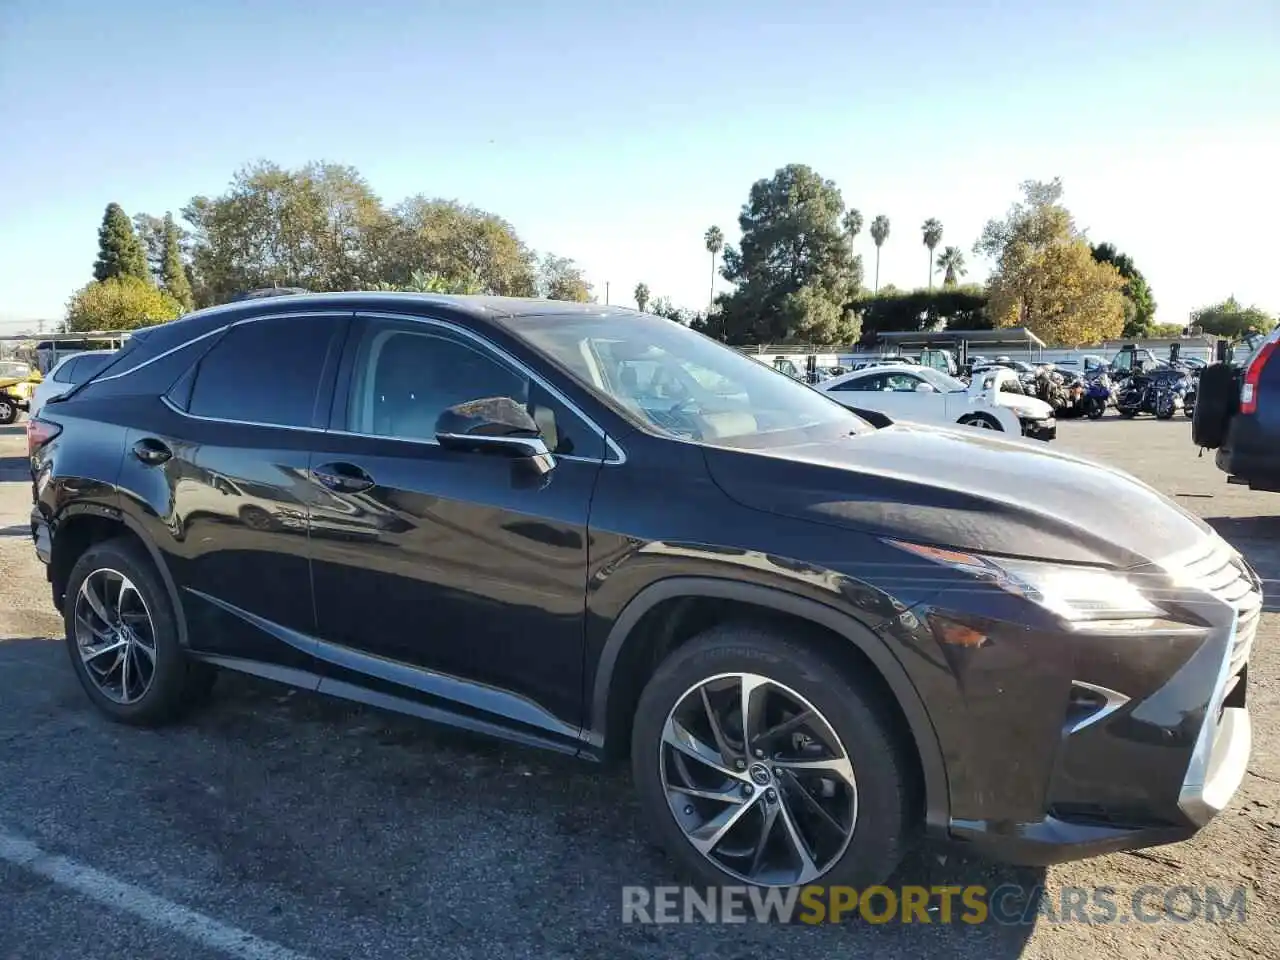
{"type": "Point", "coordinates": [1096, 409]}
{"type": "Point", "coordinates": [1164, 410]}
{"type": "Point", "coordinates": [173, 683]}
{"type": "Point", "coordinates": [1127, 412]}
{"type": "Point", "coordinates": [881, 822]}
{"type": "Point", "coordinates": [982, 421]}
{"type": "Point", "coordinates": [8, 411]}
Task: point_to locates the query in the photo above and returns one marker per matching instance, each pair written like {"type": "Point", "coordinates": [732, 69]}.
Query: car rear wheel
{"type": "Point", "coordinates": [8, 411]}
{"type": "Point", "coordinates": [122, 637]}
{"type": "Point", "coordinates": [757, 761]}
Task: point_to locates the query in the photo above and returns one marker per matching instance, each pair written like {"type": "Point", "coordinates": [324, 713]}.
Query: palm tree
{"type": "Point", "coordinates": [715, 243]}
{"type": "Point", "coordinates": [852, 226]}
{"type": "Point", "coordinates": [879, 233]}
{"type": "Point", "coordinates": [932, 231]}
{"type": "Point", "coordinates": [642, 295]}
{"type": "Point", "coordinates": [951, 262]}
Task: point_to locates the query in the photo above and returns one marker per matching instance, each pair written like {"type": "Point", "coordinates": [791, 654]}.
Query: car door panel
{"type": "Point", "coordinates": [462, 574]}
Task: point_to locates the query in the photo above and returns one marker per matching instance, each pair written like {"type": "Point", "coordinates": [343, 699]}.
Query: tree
{"type": "Point", "coordinates": [642, 296]}
{"type": "Point", "coordinates": [150, 232]}
{"type": "Point", "coordinates": [852, 224]}
{"type": "Point", "coordinates": [1232, 319]}
{"type": "Point", "coordinates": [879, 234]}
{"type": "Point", "coordinates": [173, 274]}
{"type": "Point", "coordinates": [119, 252]}
{"type": "Point", "coordinates": [714, 240]}
{"type": "Point", "coordinates": [561, 279]}
{"type": "Point", "coordinates": [794, 272]}
{"type": "Point", "coordinates": [1140, 311]}
{"type": "Point", "coordinates": [951, 262]}
{"type": "Point", "coordinates": [1046, 278]}
{"type": "Point", "coordinates": [962, 308]}
{"type": "Point", "coordinates": [120, 303]}
{"type": "Point", "coordinates": [461, 244]}
{"type": "Point", "coordinates": [932, 232]}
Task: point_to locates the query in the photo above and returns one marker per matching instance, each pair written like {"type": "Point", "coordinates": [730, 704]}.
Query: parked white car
{"type": "Point", "coordinates": [69, 371]}
{"type": "Point", "coordinates": [925, 395]}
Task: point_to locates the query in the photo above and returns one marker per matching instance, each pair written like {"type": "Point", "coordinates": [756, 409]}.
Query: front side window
{"type": "Point", "coordinates": [405, 376]}
{"type": "Point", "coordinates": [673, 381]}
{"type": "Point", "coordinates": [266, 371]}
{"type": "Point", "coordinates": [901, 382]}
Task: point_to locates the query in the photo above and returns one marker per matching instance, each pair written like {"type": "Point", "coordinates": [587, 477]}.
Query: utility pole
{"type": "Point", "coordinates": [606, 293]}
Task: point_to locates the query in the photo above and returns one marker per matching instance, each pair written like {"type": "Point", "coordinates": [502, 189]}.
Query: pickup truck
{"type": "Point", "coordinates": [1237, 414]}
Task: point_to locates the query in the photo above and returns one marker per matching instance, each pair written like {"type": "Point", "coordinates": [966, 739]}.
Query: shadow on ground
{"type": "Point", "coordinates": [15, 468]}
{"type": "Point", "coordinates": [341, 817]}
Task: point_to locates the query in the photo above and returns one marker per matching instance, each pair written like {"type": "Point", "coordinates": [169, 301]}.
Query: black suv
{"type": "Point", "coordinates": [599, 532]}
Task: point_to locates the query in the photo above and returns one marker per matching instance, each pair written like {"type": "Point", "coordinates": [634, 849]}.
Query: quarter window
{"type": "Point", "coordinates": [266, 371]}
{"type": "Point", "coordinates": [66, 372]}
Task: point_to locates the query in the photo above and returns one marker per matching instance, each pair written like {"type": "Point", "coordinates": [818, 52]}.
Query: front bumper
{"type": "Point", "coordinates": [1046, 429]}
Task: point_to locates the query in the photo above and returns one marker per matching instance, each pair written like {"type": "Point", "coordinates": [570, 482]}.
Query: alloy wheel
{"type": "Point", "coordinates": [758, 780]}
{"type": "Point", "coordinates": [115, 636]}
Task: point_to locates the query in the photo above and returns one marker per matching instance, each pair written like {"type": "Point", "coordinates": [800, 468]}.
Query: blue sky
{"type": "Point", "coordinates": [616, 133]}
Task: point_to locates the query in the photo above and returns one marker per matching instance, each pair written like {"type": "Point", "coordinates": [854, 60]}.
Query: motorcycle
{"type": "Point", "coordinates": [1097, 395]}
{"type": "Point", "coordinates": [1159, 392]}
{"type": "Point", "coordinates": [1171, 392]}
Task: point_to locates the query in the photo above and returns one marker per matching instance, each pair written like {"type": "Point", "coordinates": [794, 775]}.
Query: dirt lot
{"type": "Point", "coordinates": [277, 825]}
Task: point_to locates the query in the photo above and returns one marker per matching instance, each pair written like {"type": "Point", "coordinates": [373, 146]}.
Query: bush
{"type": "Point", "coordinates": [961, 308]}
{"type": "Point", "coordinates": [121, 303]}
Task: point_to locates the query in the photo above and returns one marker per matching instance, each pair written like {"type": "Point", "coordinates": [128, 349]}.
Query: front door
{"type": "Point", "coordinates": [457, 578]}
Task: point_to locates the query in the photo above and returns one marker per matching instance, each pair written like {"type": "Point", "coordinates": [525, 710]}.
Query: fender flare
{"type": "Point", "coordinates": [920, 726]}
{"type": "Point", "coordinates": [157, 558]}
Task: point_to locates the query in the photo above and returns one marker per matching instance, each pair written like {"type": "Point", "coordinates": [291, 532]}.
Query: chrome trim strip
{"type": "Point", "coordinates": [238, 423]}
{"type": "Point", "coordinates": [619, 453]}
{"type": "Point", "coordinates": [1112, 701]}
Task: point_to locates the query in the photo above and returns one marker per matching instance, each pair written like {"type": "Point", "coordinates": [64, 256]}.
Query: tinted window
{"type": "Point", "coordinates": [66, 372]}
{"type": "Point", "coordinates": [265, 371]}
{"type": "Point", "coordinates": [901, 382]}
{"type": "Point", "coordinates": [86, 367]}
{"type": "Point", "coordinates": [405, 378]}
{"type": "Point", "coordinates": [858, 383]}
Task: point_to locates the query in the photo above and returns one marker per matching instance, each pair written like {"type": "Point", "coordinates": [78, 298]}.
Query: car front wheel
{"type": "Point", "coordinates": [758, 761]}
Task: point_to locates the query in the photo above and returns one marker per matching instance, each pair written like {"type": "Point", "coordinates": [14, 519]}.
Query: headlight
{"type": "Point", "coordinates": [1019, 410]}
{"type": "Point", "coordinates": [1077, 594]}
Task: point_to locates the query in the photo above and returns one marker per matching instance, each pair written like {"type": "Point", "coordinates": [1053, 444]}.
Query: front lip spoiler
{"type": "Point", "coordinates": [1228, 763]}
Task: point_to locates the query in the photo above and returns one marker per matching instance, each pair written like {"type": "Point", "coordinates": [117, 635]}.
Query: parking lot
{"type": "Point", "coordinates": [278, 825]}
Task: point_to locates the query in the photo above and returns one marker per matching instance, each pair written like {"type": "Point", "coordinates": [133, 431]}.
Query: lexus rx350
{"type": "Point", "coordinates": [599, 532]}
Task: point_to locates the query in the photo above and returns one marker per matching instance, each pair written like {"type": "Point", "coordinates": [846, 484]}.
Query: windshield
{"type": "Point", "coordinates": [681, 384]}
{"type": "Point", "coordinates": [10, 369]}
{"type": "Point", "coordinates": [939, 380]}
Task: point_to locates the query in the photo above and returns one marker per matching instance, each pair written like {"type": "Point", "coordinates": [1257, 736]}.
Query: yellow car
{"type": "Point", "coordinates": [18, 380]}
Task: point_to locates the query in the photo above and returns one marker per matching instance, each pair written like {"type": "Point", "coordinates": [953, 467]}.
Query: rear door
{"type": "Point", "coordinates": [455, 578]}
{"type": "Point", "coordinates": [231, 444]}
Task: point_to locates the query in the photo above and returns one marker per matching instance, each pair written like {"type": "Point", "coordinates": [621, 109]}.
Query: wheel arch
{"type": "Point", "coordinates": [613, 678]}
{"type": "Point", "coordinates": [81, 526]}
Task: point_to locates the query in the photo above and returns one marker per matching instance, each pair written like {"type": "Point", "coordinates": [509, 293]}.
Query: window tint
{"type": "Point", "coordinates": [66, 372]}
{"type": "Point", "coordinates": [405, 378]}
{"type": "Point", "coordinates": [266, 371]}
{"type": "Point", "coordinates": [901, 382]}
{"type": "Point", "coordinates": [87, 366]}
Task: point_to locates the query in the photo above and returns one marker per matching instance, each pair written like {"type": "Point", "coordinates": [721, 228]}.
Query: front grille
{"type": "Point", "coordinates": [1220, 571]}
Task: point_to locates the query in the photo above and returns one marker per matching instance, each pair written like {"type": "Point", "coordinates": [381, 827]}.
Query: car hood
{"type": "Point", "coordinates": [963, 488]}
{"type": "Point", "coordinates": [1036, 407]}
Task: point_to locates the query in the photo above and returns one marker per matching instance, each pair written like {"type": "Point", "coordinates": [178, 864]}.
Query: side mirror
{"type": "Point", "coordinates": [924, 388]}
{"type": "Point", "coordinates": [494, 425]}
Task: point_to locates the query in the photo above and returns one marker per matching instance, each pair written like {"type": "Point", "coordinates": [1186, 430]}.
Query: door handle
{"type": "Point", "coordinates": [342, 477]}
{"type": "Point", "coordinates": [151, 451]}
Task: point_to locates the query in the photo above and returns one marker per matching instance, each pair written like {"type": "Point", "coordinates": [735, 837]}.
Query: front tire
{"type": "Point", "coordinates": [817, 788]}
{"type": "Point", "coordinates": [122, 638]}
{"type": "Point", "coordinates": [8, 411]}
{"type": "Point", "coordinates": [982, 421]}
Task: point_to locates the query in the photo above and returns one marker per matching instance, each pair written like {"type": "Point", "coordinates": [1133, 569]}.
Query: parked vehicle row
{"type": "Point", "coordinates": [598, 532]}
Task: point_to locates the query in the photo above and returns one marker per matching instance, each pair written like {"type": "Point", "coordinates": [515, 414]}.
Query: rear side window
{"type": "Point", "coordinates": [66, 372]}
{"type": "Point", "coordinates": [86, 367]}
{"type": "Point", "coordinates": [266, 371]}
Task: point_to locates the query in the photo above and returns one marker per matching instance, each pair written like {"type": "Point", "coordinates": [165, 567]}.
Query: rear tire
{"type": "Point", "coordinates": [8, 411]}
{"type": "Point", "coordinates": [763, 784]}
{"type": "Point", "coordinates": [122, 638]}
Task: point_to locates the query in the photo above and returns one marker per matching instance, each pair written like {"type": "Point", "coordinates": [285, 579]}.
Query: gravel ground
{"type": "Point", "coordinates": [279, 825]}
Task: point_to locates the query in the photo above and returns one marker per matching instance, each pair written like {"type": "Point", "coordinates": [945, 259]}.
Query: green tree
{"type": "Point", "coordinates": [794, 272]}
{"type": "Point", "coordinates": [714, 240]}
{"type": "Point", "coordinates": [1046, 278]}
{"type": "Point", "coordinates": [119, 303]}
{"type": "Point", "coordinates": [173, 274]}
{"type": "Point", "coordinates": [932, 232]}
{"type": "Point", "coordinates": [150, 232]}
{"type": "Point", "coordinates": [642, 296]}
{"type": "Point", "coordinates": [852, 224]}
{"type": "Point", "coordinates": [120, 254]}
{"type": "Point", "coordinates": [1140, 312]}
{"type": "Point", "coordinates": [951, 262]}
{"type": "Point", "coordinates": [962, 307]}
{"type": "Point", "coordinates": [879, 234]}
{"type": "Point", "coordinates": [462, 244]}
{"type": "Point", "coordinates": [1232, 319]}
{"type": "Point", "coordinates": [561, 279]}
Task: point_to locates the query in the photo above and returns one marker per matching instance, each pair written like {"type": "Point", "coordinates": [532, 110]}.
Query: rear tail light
{"type": "Point", "coordinates": [1252, 374]}
{"type": "Point", "coordinates": [40, 432]}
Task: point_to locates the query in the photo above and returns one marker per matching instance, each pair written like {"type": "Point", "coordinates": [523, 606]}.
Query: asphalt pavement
{"type": "Point", "coordinates": [276, 825]}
